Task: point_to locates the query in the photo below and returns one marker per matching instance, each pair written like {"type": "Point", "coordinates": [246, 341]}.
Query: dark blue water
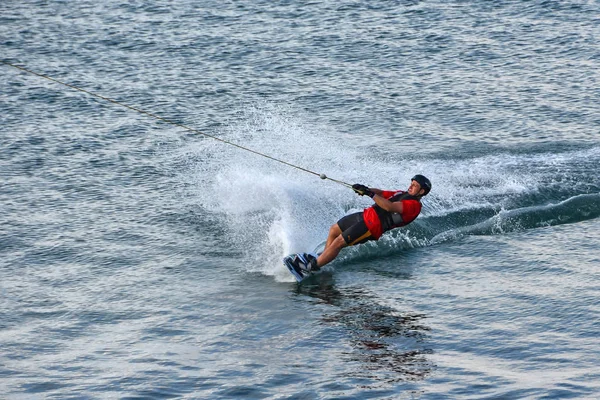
{"type": "Point", "coordinates": [141, 260]}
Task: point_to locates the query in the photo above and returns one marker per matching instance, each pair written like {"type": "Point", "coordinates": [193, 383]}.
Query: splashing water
{"type": "Point", "coordinates": [271, 210]}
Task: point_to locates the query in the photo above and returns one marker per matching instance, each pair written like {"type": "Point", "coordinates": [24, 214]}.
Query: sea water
{"type": "Point", "coordinates": [143, 260]}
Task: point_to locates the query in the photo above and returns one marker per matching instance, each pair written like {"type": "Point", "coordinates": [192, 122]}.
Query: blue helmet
{"type": "Point", "coordinates": [424, 182]}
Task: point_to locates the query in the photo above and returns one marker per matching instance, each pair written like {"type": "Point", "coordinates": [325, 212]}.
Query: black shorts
{"type": "Point", "coordinates": [354, 230]}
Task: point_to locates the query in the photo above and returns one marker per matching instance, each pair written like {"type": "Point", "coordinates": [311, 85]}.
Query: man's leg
{"type": "Point", "coordinates": [343, 224]}
{"type": "Point", "coordinates": [348, 231]}
{"type": "Point", "coordinates": [334, 232]}
{"type": "Point", "coordinates": [331, 251]}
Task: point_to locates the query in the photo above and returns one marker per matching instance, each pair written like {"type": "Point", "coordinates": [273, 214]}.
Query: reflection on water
{"type": "Point", "coordinates": [387, 345]}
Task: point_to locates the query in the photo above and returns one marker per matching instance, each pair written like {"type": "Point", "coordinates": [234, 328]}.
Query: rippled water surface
{"type": "Point", "coordinates": [142, 260]}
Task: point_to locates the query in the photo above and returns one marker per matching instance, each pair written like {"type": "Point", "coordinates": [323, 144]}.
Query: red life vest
{"type": "Point", "coordinates": [379, 221]}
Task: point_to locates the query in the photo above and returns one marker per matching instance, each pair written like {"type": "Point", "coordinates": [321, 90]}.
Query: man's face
{"type": "Point", "coordinates": [414, 189]}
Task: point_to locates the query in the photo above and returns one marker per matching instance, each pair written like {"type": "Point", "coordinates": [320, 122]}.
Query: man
{"type": "Point", "coordinates": [391, 210]}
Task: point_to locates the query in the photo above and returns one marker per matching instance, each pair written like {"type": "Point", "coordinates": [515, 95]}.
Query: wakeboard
{"type": "Point", "coordinates": [296, 264]}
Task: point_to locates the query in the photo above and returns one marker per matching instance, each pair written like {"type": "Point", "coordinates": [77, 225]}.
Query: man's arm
{"type": "Point", "coordinates": [384, 193]}
{"type": "Point", "coordinates": [385, 203]}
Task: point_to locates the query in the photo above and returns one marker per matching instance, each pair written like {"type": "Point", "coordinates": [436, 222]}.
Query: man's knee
{"type": "Point", "coordinates": [335, 230]}
{"type": "Point", "coordinates": [339, 242]}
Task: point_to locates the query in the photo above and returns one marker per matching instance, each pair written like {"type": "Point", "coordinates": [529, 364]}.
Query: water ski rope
{"type": "Point", "coordinates": [322, 176]}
